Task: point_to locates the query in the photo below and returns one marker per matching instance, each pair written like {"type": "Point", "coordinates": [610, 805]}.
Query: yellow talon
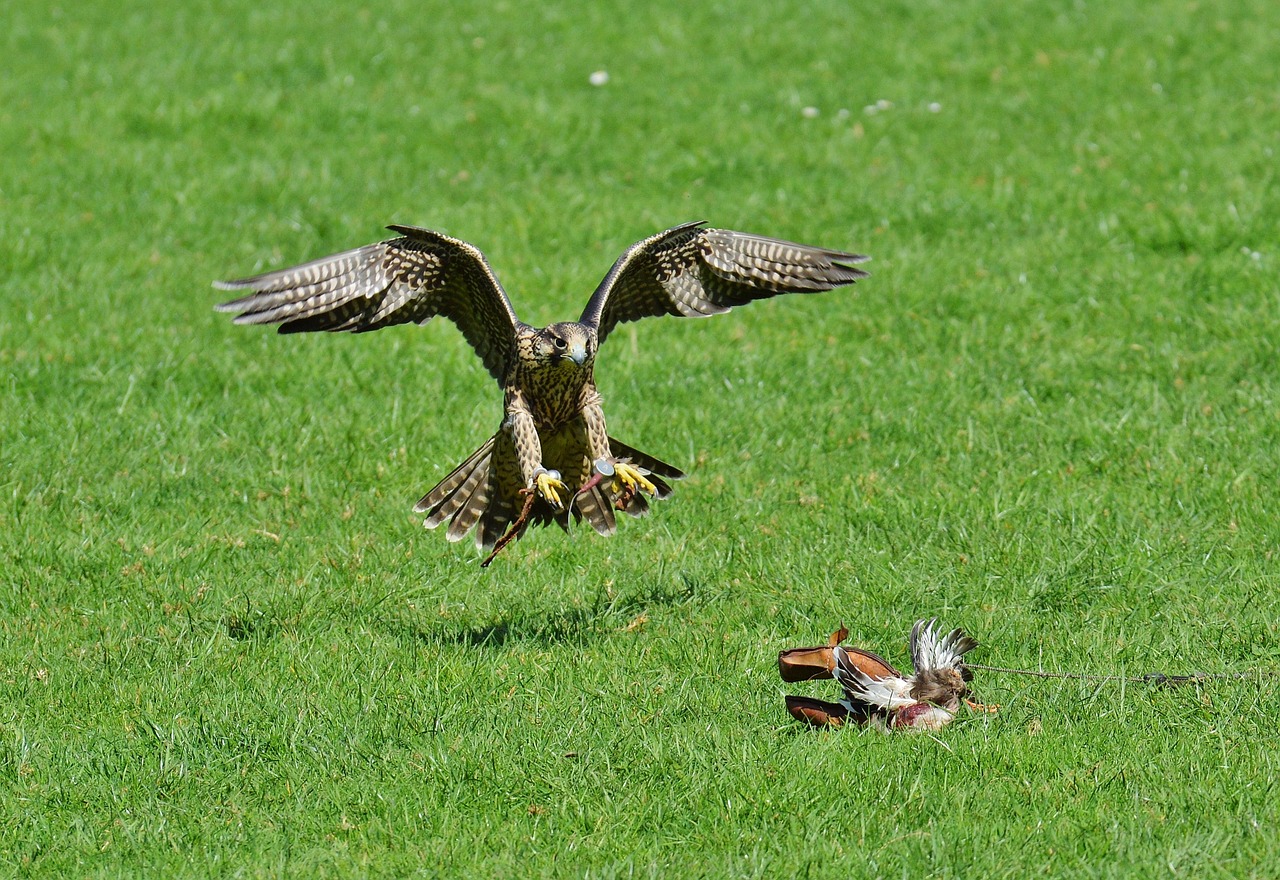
{"type": "Point", "coordinates": [632, 478]}
{"type": "Point", "coordinates": [549, 486]}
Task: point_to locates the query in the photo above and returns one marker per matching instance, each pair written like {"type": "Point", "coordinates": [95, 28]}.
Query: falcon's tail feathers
{"type": "Point", "coordinates": [462, 497]}
{"type": "Point", "coordinates": [596, 507]}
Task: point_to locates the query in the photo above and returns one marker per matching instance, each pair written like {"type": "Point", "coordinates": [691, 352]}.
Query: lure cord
{"type": "Point", "coordinates": [1149, 678]}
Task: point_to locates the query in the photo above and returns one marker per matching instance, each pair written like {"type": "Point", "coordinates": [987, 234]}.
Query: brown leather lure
{"type": "Point", "coordinates": [816, 664]}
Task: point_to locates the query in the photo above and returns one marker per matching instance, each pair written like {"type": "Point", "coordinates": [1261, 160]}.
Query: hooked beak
{"type": "Point", "coordinates": [577, 353]}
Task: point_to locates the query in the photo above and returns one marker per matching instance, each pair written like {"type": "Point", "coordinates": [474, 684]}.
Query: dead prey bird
{"type": "Point", "coordinates": [552, 449]}
{"type": "Point", "coordinates": [925, 700]}
{"type": "Point", "coordinates": [876, 692]}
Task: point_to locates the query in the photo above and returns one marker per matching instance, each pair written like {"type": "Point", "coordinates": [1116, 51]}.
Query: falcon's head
{"type": "Point", "coordinates": [567, 344]}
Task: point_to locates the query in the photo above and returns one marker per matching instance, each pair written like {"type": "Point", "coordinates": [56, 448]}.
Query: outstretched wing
{"type": "Point", "coordinates": [402, 280]}
{"type": "Point", "coordinates": [692, 271]}
{"type": "Point", "coordinates": [889, 693]}
{"type": "Point", "coordinates": [929, 651]}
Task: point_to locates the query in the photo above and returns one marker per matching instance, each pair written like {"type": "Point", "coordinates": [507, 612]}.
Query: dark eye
{"type": "Point", "coordinates": [560, 343]}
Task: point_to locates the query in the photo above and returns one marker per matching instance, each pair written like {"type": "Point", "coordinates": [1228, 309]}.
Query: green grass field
{"type": "Point", "coordinates": [1052, 416]}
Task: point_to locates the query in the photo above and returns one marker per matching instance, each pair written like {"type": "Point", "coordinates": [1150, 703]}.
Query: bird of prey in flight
{"type": "Point", "coordinates": [552, 456]}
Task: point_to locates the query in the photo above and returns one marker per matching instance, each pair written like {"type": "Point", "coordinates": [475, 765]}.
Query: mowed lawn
{"type": "Point", "coordinates": [1052, 416]}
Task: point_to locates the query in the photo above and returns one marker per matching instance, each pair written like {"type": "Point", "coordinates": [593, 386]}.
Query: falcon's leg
{"type": "Point", "coordinates": [593, 417]}
{"type": "Point", "coordinates": [524, 436]}
{"type": "Point", "coordinates": [627, 477]}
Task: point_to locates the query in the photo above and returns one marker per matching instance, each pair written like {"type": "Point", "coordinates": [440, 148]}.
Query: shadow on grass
{"type": "Point", "coordinates": [550, 627]}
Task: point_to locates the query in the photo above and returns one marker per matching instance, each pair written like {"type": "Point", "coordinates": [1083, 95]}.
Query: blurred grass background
{"type": "Point", "coordinates": [1050, 416]}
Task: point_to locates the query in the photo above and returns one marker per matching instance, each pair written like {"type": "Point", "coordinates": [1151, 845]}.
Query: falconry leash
{"type": "Point", "coordinates": [1149, 678]}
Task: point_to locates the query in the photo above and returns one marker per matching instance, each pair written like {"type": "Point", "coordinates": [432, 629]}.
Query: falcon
{"type": "Point", "coordinates": [552, 456]}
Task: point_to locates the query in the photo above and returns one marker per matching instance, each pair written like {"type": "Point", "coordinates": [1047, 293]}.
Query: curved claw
{"type": "Point", "coordinates": [550, 486]}
{"type": "Point", "coordinates": [633, 478]}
